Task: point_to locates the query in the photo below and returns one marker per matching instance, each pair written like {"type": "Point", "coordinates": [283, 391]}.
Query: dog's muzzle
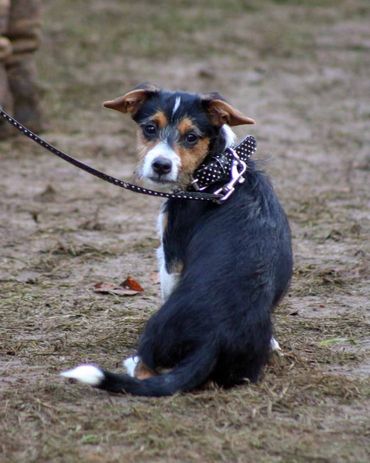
{"type": "Point", "coordinates": [161, 164]}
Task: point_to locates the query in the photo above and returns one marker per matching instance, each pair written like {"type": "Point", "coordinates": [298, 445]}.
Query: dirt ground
{"type": "Point", "coordinates": [301, 69]}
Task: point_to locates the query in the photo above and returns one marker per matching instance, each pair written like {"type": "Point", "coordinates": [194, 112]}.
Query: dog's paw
{"type": "Point", "coordinates": [130, 365]}
{"type": "Point", "coordinates": [275, 348]}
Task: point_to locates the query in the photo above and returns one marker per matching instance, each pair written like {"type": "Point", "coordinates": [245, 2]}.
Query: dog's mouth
{"type": "Point", "coordinates": [182, 182]}
{"type": "Point", "coordinates": [162, 180]}
{"type": "Point", "coordinates": [167, 182]}
{"type": "Point", "coordinates": [160, 183]}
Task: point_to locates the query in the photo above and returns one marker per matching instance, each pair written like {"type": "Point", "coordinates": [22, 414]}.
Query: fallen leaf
{"type": "Point", "coordinates": [132, 284]}
{"type": "Point", "coordinates": [110, 288]}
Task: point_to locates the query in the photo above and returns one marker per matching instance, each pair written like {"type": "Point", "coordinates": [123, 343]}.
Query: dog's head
{"type": "Point", "coordinates": [177, 130]}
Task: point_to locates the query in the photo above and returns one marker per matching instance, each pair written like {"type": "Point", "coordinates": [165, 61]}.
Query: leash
{"type": "Point", "coordinates": [232, 160]}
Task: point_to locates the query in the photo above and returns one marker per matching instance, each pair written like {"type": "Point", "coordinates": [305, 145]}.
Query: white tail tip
{"type": "Point", "coordinates": [87, 374]}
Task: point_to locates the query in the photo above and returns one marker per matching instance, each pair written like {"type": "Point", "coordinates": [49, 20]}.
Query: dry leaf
{"type": "Point", "coordinates": [132, 284]}
{"type": "Point", "coordinates": [110, 288]}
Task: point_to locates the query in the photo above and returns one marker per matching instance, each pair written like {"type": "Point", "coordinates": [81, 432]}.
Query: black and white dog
{"type": "Point", "coordinates": [223, 268]}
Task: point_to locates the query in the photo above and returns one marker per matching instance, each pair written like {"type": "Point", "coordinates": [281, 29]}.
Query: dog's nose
{"type": "Point", "coordinates": [162, 165]}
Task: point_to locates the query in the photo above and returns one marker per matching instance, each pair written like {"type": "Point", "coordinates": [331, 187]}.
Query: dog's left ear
{"type": "Point", "coordinates": [131, 101]}
{"type": "Point", "coordinates": [221, 112]}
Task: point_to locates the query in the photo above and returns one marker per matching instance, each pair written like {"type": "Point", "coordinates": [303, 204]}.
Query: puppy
{"type": "Point", "coordinates": [223, 267]}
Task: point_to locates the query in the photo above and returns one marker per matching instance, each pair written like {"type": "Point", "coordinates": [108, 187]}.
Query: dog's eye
{"type": "Point", "coordinates": [191, 138]}
{"type": "Point", "coordinates": [150, 130]}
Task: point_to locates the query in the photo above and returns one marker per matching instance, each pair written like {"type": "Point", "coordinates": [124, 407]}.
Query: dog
{"type": "Point", "coordinates": [223, 267]}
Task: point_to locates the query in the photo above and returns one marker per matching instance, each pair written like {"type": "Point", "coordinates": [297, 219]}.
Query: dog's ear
{"type": "Point", "coordinates": [131, 101]}
{"type": "Point", "coordinates": [221, 112]}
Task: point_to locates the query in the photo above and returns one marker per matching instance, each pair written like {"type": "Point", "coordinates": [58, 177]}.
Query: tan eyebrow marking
{"type": "Point", "coordinates": [185, 125]}
{"type": "Point", "coordinates": [160, 119]}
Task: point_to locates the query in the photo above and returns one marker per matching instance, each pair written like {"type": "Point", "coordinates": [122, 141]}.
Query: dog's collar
{"type": "Point", "coordinates": [229, 165]}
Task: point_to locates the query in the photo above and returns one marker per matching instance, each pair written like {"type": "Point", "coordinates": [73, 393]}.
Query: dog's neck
{"type": "Point", "coordinates": [224, 139]}
{"type": "Point", "coordinates": [223, 165]}
{"type": "Point", "coordinates": [229, 135]}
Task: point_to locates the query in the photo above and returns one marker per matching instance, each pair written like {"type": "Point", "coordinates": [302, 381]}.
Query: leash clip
{"type": "Point", "coordinates": [238, 169]}
{"type": "Point", "coordinates": [196, 186]}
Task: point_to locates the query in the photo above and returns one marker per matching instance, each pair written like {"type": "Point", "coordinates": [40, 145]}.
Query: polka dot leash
{"type": "Point", "coordinates": [224, 163]}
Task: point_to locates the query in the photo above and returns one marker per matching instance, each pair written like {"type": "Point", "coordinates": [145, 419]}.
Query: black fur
{"type": "Point", "coordinates": [237, 264]}
{"type": "Point", "coordinates": [217, 323]}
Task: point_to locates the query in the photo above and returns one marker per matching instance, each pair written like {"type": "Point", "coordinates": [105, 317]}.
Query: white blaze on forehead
{"type": "Point", "coordinates": [176, 105]}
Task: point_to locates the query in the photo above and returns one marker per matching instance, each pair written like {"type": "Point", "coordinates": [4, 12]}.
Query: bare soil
{"type": "Point", "coordinates": [301, 69]}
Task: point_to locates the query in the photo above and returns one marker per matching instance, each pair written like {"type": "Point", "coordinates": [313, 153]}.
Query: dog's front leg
{"type": "Point", "coordinates": [168, 280]}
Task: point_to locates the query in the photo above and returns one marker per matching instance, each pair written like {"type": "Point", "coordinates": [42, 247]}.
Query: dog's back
{"type": "Point", "coordinates": [237, 264]}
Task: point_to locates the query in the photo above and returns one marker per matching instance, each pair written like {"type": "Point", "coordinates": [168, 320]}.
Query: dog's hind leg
{"type": "Point", "coordinates": [135, 368]}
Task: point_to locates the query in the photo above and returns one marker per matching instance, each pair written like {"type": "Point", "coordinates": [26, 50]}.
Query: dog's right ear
{"type": "Point", "coordinates": [131, 101]}
{"type": "Point", "coordinates": [221, 112]}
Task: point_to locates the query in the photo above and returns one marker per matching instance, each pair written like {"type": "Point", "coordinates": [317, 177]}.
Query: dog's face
{"type": "Point", "coordinates": [177, 130]}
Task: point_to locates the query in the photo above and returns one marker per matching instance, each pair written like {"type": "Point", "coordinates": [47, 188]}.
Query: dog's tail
{"type": "Point", "coordinates": [190, 373]}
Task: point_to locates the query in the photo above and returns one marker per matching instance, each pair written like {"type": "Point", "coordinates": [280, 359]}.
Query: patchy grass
{"type": "Point", "coordinates": [292, 66]}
